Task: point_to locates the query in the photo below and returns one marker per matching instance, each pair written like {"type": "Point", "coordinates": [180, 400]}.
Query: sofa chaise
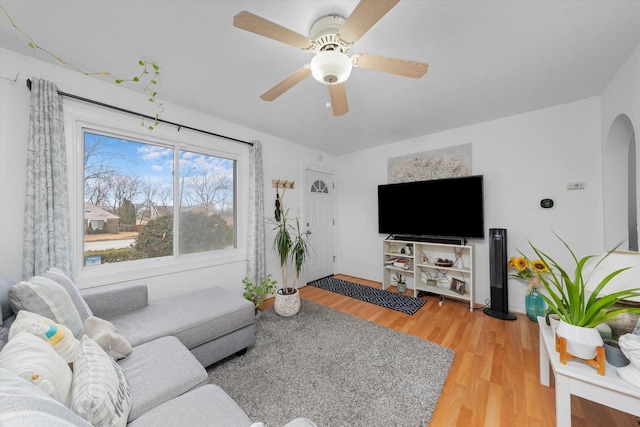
{"type": "Point", "coordinates": [129, 360]}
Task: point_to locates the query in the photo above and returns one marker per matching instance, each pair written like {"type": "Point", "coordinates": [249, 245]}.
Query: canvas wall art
{"type": "Point", "coordinates": [447, 162]}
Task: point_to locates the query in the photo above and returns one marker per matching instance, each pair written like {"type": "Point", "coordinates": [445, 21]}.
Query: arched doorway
{"type": "Point", "coordinates": [621, 185]}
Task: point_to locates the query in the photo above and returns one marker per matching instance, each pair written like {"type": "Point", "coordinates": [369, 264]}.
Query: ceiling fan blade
{"type": "Point", "coordinates": [286, 84]}
{"type": "Point", "coordinates": [363, 17]}
{"type": "Point", "coordinates": [255, 24]}
{"type": "Point", "coordinates": [401, 67]}
{"type": "Point", "coordinates": [338, 99]}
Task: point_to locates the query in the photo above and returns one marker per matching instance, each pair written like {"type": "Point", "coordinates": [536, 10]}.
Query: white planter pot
{"type": "Point", "coordinates": [581, 342]}
{"type": "Point", "coordinates": [287, 305]}
{"type": "Point", "coordinates": [554, 320]}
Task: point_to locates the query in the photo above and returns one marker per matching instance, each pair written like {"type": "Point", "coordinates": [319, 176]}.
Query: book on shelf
{"type": "Point", "coordinates": [403, 263]}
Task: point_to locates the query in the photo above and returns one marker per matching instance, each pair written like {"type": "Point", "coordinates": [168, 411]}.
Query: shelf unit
{"type": "Point", "coordinates": [421, 258]}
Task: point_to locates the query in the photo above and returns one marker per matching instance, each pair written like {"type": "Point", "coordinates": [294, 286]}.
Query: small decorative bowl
{"type": "Point", "coordinates": [630, 346]}
{"type": "Point", "coordinates": [444, 263]}
{"type": "Point", "coordinates": [614, 354]}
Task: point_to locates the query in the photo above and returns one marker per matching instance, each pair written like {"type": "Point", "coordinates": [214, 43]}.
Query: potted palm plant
{"type": "Point", "coordinates": [291, 244]}
{"type": "Point", "coordinates": [579, 311]}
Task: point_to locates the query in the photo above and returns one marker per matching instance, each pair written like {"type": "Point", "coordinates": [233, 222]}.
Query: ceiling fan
{"type": "Point", "coordinates": [330, 39]}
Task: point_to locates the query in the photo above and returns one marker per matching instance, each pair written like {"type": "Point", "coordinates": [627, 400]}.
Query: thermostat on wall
{"type": "Point", "coordinates": [546, 203]}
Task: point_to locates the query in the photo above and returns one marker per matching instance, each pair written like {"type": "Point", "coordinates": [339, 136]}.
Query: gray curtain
{"type": "Point", "coordinates": [257, 268]}
{"type": "Point", "coordinates": [47, 241]}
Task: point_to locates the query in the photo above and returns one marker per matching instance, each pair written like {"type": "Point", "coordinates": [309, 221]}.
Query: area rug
{"type": "Point", "coordinates": [394, 301]}
{"type": "Point", "coordinates": [335, 369]}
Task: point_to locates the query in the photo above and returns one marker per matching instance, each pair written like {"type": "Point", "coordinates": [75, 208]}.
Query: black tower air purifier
{"type": "Point", "coordinates": [498, 275]}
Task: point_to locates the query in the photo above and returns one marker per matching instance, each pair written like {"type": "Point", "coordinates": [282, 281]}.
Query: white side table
{"type": "Point", "coordinates": [580, 379]}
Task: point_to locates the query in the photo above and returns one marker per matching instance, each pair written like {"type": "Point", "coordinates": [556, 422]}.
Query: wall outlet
{"type": "Point", "coordinates": [575, 185]}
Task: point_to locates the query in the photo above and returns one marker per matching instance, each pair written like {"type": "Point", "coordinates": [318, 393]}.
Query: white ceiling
{"type": "Point", "coordinates": [487, 59]}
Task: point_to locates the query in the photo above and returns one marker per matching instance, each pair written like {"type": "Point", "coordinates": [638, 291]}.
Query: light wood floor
{"type": "Point", "coordinates": [494, 379]}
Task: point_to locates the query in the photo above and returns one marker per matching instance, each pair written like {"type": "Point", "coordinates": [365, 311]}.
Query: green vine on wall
{"type": "Point", "coordinates": [149, 72]}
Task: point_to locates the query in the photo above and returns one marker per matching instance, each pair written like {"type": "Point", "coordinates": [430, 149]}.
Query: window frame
{"type": "Point", "coordinates": [79, 116]}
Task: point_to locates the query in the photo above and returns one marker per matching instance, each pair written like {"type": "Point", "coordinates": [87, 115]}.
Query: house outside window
{"type": "Point", "coordinates": [145, 199]}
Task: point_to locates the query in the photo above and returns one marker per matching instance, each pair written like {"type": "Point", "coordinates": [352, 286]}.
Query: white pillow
{"type": "Point", "coordinates": [55, 334]}
{"type": "Point", "coordinates": [101, 393]}
{"type": "Point", "coordinates": [23, 404]}
{"type": "Point", "coordinates": [34, 360]}
{"type": "Point", "coordinates": [104, 333]}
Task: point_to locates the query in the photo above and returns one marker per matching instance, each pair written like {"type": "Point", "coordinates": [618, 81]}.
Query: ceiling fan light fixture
{"type": "Point", "coordinates": [331, 67]}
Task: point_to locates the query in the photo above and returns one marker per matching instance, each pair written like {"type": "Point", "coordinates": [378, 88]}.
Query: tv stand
{"type": "Point", "coordinates": [431, 239]}
{"type": "Point", "coordinates": [417, 262]}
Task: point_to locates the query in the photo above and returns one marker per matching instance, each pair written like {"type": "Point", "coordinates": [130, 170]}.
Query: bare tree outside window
{"type": "Point", "coordinates": [129, 203]}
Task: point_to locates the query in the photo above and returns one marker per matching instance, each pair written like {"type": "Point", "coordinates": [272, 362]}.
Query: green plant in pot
{"type": "Point", "coordinates": [580, 311]}
{"type": "Point", "coordinates": [259, 291]}
{"type": "Point", "coordinates": [291, 244]}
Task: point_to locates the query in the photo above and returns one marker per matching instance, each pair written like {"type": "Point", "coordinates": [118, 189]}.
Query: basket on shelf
{"type": "Point", "coordinates": [443, 262]}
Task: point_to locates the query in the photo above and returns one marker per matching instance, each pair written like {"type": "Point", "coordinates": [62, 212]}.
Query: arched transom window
{"type": "Point", "coordinates": [319, 187]}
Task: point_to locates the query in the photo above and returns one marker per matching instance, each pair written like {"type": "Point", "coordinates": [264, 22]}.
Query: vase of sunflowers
{"type": "Point", "coordinates": [535, 305]}
{"type": "Point", "coordinates": [528, 270]}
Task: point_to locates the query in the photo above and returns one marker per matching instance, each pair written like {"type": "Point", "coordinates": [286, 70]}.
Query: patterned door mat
{"type": "Point", "coordinates": [397, 302]}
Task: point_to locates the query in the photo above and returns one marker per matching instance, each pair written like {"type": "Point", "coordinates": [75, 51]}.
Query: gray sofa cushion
{"type": "Point", "coordinates": [202, 316]}
{"type": "Point", "coordinates": [158, 371]}
{"type": "Point", "coordinates": [216, 350]}
{"type": "Point", "coordinates": [5, 284]}
{"type": "Point", "coordinates": [6, 315]}
{"type": "Point", "coordinates": [110, 301]}
{"type": "Point", "coordinates": [207, 406]}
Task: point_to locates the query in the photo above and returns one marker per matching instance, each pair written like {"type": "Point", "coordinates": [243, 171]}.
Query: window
{"type": "Point", "coordinates": [147, 199]}
{"type": "Point", "coordinates": [319, 187]}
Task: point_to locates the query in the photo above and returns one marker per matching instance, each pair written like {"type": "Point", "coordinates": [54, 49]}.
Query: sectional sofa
{"type": "Point", "coordinates": [110, 356]}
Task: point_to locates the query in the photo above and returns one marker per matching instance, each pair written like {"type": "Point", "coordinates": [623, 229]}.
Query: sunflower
{"type": "Point", "coordinates": [539, 266]}
{"type": "Point", "coordinates": [527, 270]}
{"type": "Point", "coordinates": [521, 263]}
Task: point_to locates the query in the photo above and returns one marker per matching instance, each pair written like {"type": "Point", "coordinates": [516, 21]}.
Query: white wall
{"type": "Point", "coordinates": [622, 96]}
{"type": "Point", "coordinates": [523, 158]}
{"type": "Point", "coordinates": [282, 160]}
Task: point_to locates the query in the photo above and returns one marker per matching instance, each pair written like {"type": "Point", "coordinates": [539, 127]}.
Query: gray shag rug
{"type": "Point", "coordinates": [335, 369]}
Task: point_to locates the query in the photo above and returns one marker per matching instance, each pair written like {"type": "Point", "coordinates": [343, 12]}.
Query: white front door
{"type": "Point", "coordinates": [319, 224]}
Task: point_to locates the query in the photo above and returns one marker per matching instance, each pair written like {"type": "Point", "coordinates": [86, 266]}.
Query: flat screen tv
{"type": "Point", "coordinates": [450, 207]}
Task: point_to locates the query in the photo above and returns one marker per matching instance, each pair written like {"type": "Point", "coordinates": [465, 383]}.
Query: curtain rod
{"type": "Point", "coordinates": [113, 107]}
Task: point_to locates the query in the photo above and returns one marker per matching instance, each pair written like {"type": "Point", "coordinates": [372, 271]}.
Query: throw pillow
{"type": "Point", "coordinates": [105, 335]}
{"type": "Point", "coordinates": [47, 298]}
{"type": "Point", "coordinates": [34, 360]}
{"type": "Point", "coordinates": [58, 336]}
{"type": "Point", "coordinates": [100, 393]}
{"type": "Point", "coordinates": [23, 404]}
{"type": "Point", "coordinates": [63, 280]}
